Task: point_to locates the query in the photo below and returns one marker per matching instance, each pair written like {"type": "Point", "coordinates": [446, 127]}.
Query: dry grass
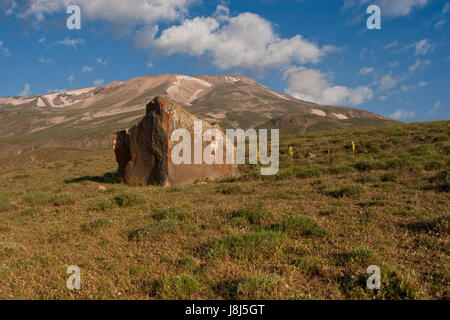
{"type": "Point", "coordinates": [308, 233]}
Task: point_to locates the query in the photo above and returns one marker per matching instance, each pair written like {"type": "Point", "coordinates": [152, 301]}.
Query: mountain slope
{"type": "Point", "coordinates": [89, 117]}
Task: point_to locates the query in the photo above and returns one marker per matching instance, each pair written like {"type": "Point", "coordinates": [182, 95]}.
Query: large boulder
{"type": "Point", "coordinates": [144, 151]}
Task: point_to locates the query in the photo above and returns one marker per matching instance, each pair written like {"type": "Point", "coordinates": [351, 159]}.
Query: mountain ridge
{"type": "Point", "coordinates": [88, 117]}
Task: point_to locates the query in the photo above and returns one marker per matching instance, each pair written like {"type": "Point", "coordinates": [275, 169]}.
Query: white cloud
{"type": "Point", "coordinates": [402, 115]}
{"type": "Point", "coordinates": [422, 84]}
{"type": "Point", "coordinates": [390, 45]}
{"type": "Point", "coordinates": [46, 61]}
{"type": "Point", "coordinates": [437, 105]}
{"type": "Point", "coordinates": [440, 23]}
{"type": "Point", "coordinates": [41, 40]}
{"type": "Point", "coordinates": [312, 85]}
{"type": "Point", "coordinates": [406, 88]}
{"type": "Point", "coordinates": [388, 82]}
{"type": "Point", "coordinates": [71, 78]}
{"type": "Point", "coordinates": [150, 65]}
{"type": "Point", "coordinates": [10, 10]}
{"type": "Point", "coordinates": [446, 9]}
{"type": "Point", "coordinates": [366, 70]}
{"type": "Point", "coordinates": [393, 64]}
{"type": "Point", "coordinates": [86, 69]}
{"type": "Point", "coordinates": [245, 41]}
{"type": "Point", "coordinates": [98, 82]}
{"type": "Point", "coordinates": [422, 47]}
{"type": "Point", "coordinates": [389, 8]}
{"type": "Point", "coordinates": [442, 20]}
{"type": "Point", "coordinates": [26, 90]}
{"type": "Point", "coordinates": [130, 12]}
{"type": "Point", "coordinates": [4, 50]}
{"type": "Point", "coordinates": [101, 61]}
{"type": "Point", "coordinates": [69, 42]}
{"type": "Point", "coordinates": [398, 8]}
{"type": "Point", "coordinates": [418, 64]}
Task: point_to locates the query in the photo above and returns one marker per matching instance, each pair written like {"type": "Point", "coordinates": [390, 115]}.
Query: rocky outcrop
{"type": "Point", "coordinates": [144, 151]}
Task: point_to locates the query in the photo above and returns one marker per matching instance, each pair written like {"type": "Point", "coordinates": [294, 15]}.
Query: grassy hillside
{"type": "Point", "coordinates": [308, 233]}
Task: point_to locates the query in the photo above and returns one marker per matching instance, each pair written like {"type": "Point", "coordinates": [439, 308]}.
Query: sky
{"type": "Point", "coordinates": [315, 50]}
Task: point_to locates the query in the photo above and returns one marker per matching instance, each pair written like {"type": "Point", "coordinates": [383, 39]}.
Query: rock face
{"type": "Point", "coordinates": [144, 151]}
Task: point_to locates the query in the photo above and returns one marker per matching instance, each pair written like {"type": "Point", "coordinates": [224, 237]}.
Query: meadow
{"type": "Point", "coordinates": [310, 232]}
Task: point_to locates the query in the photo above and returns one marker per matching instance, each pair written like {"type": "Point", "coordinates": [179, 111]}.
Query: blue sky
{"type": "Point", "coordinates": [315, 50]}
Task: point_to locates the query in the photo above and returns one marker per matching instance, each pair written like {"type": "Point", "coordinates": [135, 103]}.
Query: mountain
{"type": "Point", "coordinates": [89, 117]}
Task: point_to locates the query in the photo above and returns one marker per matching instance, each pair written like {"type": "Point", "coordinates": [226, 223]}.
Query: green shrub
{"type": "Point", "coordinates": [248, 245]}
{"type": "Point", "coordinates": [348, 191]}
{"type": "Point", "coordinates": [28, 212]}
{"type": "Point", "coordinates": [389, 177]}
{"type": "Point", "coordinates": [255, 214]}
{"type": "Point", "coordinates": [439, 225]}
{"type": "Point", "coordinates": [175, 213]}
{"type": "Point", "coordinates": [37, 198]}
{"type": "Point", "coordinates": [128, 200]}
{"type": "Point", "coordinates": [188, 263]}
{"type": "Point", "coordinates": [260, 287]}
{"type": "Point", "coordinates": [302, 173]}
{"type": "Point", "coordinates": [103, 205]}
{"type": "Point", "coordinates": [61, 200]}
{"type": "Point", "coordinates": [366, 178]}
{"type": "Point", "coordinates": [296, 226]}
{"type": "Point", "coordinates": [232, 189]}
{"type": "Point", "coordinates": [6, 206]}
{"type": "Point", "coordinates": [434, 164]}
{"type": "Point", "coordinates": [96, 224]}
{"type": "Point", "coordinates": [358, 255]}
{"type": "Point", "coordinates": [178, 287]}
{"type": "Point", "coordinates": [309, 264]}
{"type": "Point", "coordinates": [366, 165]}
{"type": "Point", "coordinates": [442, 179]}
{"type": "Point", "coordinates": [153, 230]}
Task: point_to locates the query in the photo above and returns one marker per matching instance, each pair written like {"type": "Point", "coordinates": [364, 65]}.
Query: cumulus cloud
{"type": "Point", "coordinates": [4, 50]}
{"type": "Point", "coordinates": [389, 8]}
{"type": "Point", "coordinates": [130, 12]}
{"type": "Point", "coordinates": [366, 70]}
{"type": "Point", "coordinates": [71, 78]}
{"type": "Point", "coordinates": [388, 82]}
{"type": "Point", "coordinates": [401, 114]}
{"type": "Point", "coordinates": [26, 90]}
{"type": "Point", "coordinates": [244, 41]}
{"type": "Point", "coordinates": [68, 42]}
{"type": "Point", "coordinates": [391, 45]}
{"type": "Point", "coordinates": [418, 64]}
{"type": "Point", "coordinates": [422, 47]}
{"type": "Point", "coordinates": [86, 69]}
{"type": "Point", "coordinates": [442, 20]}
{"type": "Point", "coordinates": [46, 61]}
{"type": "Point", "coordinates": [312, 85]}
{"type": "Point", "coordinates": [98, 82]}
{"type": "Point", "coordinates": [101, 61]}
{"type": "Point", "coordinates": [12, 6]}
{"type": "Point", "coordinates": [406, 88]}
{"type": "Point", "coordinates": [437, 105]}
